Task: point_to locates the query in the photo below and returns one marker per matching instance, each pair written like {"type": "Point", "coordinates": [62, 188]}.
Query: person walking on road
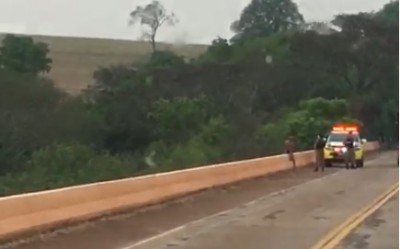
{"type": "Point", "coordinates": [319, 145]}
{"type": "Point", "coordinates": [289, 149]}
{"type": "Point", "coordinates": [350, 154]}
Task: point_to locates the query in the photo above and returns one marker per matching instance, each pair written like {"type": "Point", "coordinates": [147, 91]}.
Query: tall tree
{"type": "Point", "coordinates": [21, 54]}
{"type": "Point", "coordinates": [153, 16]}
{"type": "Point", "coordinates": [389, 13]}
{"type": "Point", "coordinates": [219, 52]}
{"type": "Point", "coordinates": [360, 61]}
{"type": "Point", "coordinates": [369, 47]}
{"type": "Point", "coordinates": [266, 17]}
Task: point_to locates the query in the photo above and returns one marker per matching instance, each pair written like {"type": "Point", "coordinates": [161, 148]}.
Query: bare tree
{"type": "Point", "coordinates": [153, 16]}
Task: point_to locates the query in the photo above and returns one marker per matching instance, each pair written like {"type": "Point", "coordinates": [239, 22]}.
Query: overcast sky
{"type": "Point", "coordinates": [200, 20]}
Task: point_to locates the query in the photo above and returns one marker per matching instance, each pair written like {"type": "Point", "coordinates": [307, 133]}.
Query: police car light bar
{"type": "Point", "coordinates": [344, 128]}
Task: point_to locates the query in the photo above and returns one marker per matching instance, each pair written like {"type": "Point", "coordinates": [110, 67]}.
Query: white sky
{"type": "Point", "coordinates": [200, 20]}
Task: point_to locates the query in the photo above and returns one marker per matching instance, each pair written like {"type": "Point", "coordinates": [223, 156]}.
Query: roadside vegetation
{"type": "Point", "coordinates": [277, 76]}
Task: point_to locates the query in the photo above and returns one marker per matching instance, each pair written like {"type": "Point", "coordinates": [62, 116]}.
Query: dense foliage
{"type": "Point", "coordinates": [235, 101]}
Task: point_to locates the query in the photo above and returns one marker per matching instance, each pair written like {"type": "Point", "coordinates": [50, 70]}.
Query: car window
{"type": "Point", "coordinates": [340, 137]}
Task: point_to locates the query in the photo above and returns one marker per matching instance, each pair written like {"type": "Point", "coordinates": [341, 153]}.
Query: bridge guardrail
{"type": "Point", "coordinates": [28, 213]}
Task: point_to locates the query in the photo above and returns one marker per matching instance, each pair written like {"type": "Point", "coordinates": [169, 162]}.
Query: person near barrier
{"type": "Point", "coordinates": [289, 149]}
{"type": "Point", "coordinates": [319, 145]}
{"type": "Point", "coordinates": [350, 153]}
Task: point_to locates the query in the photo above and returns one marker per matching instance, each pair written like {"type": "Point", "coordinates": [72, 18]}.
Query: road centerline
{"type": "Point", "coordinates": [333, 238]}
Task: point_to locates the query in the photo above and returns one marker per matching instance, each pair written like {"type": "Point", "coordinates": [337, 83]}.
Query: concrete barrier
{"type": "Point", "coordinates": [32, 212]}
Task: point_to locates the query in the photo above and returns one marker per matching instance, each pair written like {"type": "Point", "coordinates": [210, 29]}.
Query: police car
{"type": "Point", "coordinates": [335, 151]}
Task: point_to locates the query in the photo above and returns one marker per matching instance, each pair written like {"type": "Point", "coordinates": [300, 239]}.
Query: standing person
{"type": "Point", "coordinates": [381, 142]}
{"type": "Point", "coordinates": [350, 154]}
{"type": "Point", "coordinates": [290, 148]}
{"type": "Point", "coordinates": [319, 145]}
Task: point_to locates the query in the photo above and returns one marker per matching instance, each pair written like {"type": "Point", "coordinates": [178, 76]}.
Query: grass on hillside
{"type": "Point", "coordinates": [75, 59]}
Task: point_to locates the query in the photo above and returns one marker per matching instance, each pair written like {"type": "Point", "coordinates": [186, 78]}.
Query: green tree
{"type": "Point", "coordinates": [389, 13]}
{"type": "Point", "coordinates": [63, 165]}
{"type": "Point", "coordinates": [25, 105]}
{"type": "Point", "coordinates": [109, 79]}
{"type": "Point", "coordinates": [351, 63]}
{"type": "Point", "coordinates": [265, 17]}
{"type": "Point", "coordinates": [219, 52]}
{"type": "Point", "coordinates": [34, 114]}
{"type": "Point", "coordinates": [178, 119]}
{"type": "Point", "coordinates": [23, 55]}
{"type": "Point", "coordinates": [153, 16]}
{"type": "Point", "coordinates": [165, 59]}
{"type": "Point", "coordinates": [363, 55]}
{"type": "Point", "coordinates": [315, 116]}
{"type": "Point", "coordinates": [123, 97]}
{"type": "Point", "coordinates": [203, 147]}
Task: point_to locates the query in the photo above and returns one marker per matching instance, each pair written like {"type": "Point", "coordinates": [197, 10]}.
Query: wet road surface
{"type": "Point", "coordinates": [379, 231]}
{"type": "Point", "coordinates": [314, 204]}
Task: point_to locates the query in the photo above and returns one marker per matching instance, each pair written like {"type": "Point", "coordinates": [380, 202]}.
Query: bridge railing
{"type": "Point", "coordinates": [28, 213]}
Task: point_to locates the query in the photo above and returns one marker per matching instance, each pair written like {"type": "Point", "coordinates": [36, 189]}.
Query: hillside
{"type": "Point", "coordinates": [75, 59]}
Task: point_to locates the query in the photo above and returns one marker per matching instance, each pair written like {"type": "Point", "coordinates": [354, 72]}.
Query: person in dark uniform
{"type": "Point", "coordinates": [319, 145]}
{"type": "Point", "coordinates": [350, 154]}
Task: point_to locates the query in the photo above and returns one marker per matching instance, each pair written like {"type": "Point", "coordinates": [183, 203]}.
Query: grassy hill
{"type": "Point", "coordinates": [75, 59]}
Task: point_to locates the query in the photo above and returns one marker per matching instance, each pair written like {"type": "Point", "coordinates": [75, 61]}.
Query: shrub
{"type": "Point", "coordinates": [65, 165]}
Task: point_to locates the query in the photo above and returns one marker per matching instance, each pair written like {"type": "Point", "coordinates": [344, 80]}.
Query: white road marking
{"type": "Point", "coordinates": [142, 242]}
{"type": "Point", "coordinates": [251, 203]}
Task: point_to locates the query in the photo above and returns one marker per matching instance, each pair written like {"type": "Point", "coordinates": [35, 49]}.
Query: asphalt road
{"type": "Point", "coordinates": [294, 219]}
{"type": "Point", "coordinates": [379, 231]}
{"type": "Point", "coordinates": [305, 208]}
